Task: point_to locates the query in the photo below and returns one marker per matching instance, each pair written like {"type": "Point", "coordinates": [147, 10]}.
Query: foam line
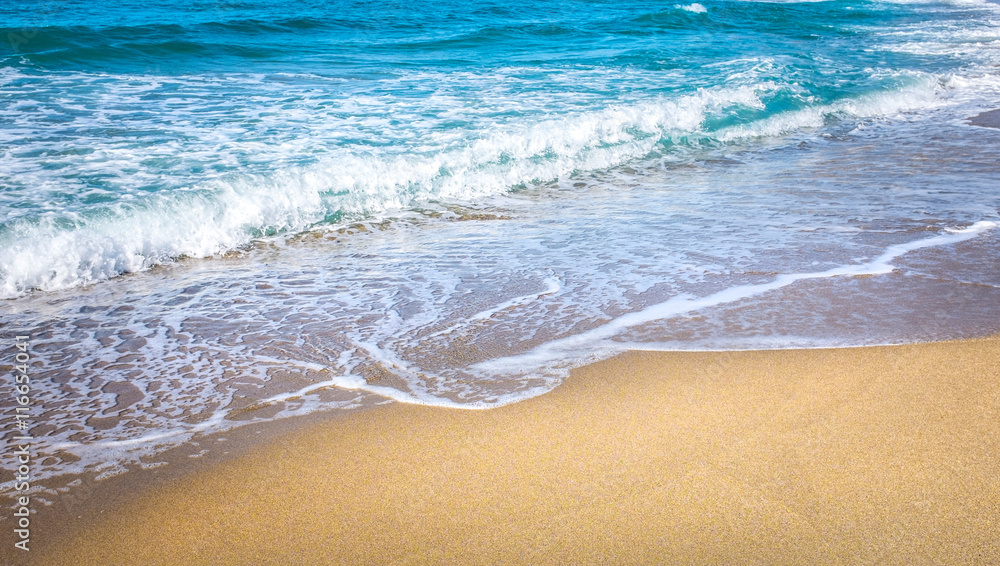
{"type": "Point", "coordinates": [586, 341]}
{"type": "Point", "coordinates": [413, 378]}
{"type": "Point", "coordinates": [552, 285]}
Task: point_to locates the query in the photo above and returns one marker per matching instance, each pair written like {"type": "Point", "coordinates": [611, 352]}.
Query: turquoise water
{"type": "Point", "coordinates": [135, 134]}
{"type": "Point", "coordinates": [228, 211]}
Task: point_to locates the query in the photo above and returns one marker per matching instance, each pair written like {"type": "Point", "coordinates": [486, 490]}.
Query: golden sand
{"type": "Point", "coordinates": [887, 455]}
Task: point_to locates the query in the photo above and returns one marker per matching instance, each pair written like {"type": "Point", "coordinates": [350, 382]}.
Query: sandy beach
{"type": "Point", "coordinates": [519, 282]}
{"type": "Point", "coordinates": [882, 455]}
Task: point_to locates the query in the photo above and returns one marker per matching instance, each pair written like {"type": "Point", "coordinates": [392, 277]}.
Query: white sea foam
{"type": "Point", "coordinates": [695, 8]}
{"type": "Point", "coordinates": [927, 92]}
{"type": "Point", "coordinates": [56, 251]}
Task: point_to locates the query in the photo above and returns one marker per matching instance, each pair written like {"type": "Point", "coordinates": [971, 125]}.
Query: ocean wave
{"type": "Point", "coordinates": [56, 251]}
{"type": "Point", "coordinates": [153, 44]}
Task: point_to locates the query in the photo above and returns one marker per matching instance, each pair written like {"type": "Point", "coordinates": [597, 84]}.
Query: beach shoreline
{"type": "Point", "coordinates": [879, 454]}
{"type": "Point", "coordinates": [500, 283]}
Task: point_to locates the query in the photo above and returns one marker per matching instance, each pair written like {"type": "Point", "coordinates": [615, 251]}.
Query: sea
{"type": "Point", "coordinates": [222, 212]}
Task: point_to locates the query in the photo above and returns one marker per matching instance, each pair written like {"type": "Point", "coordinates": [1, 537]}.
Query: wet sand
{"type": "Point", "coordinates": [988, 119]}
{"type": "Point", "coordinates": [883, 455]}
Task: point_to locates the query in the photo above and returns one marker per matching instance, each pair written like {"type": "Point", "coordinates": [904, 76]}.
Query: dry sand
{"type": "Point", "coordinates": [887, 455]}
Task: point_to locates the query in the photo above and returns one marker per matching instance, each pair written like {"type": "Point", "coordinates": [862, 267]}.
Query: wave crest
{"type": "Point", "coordinates": [59, 251]}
